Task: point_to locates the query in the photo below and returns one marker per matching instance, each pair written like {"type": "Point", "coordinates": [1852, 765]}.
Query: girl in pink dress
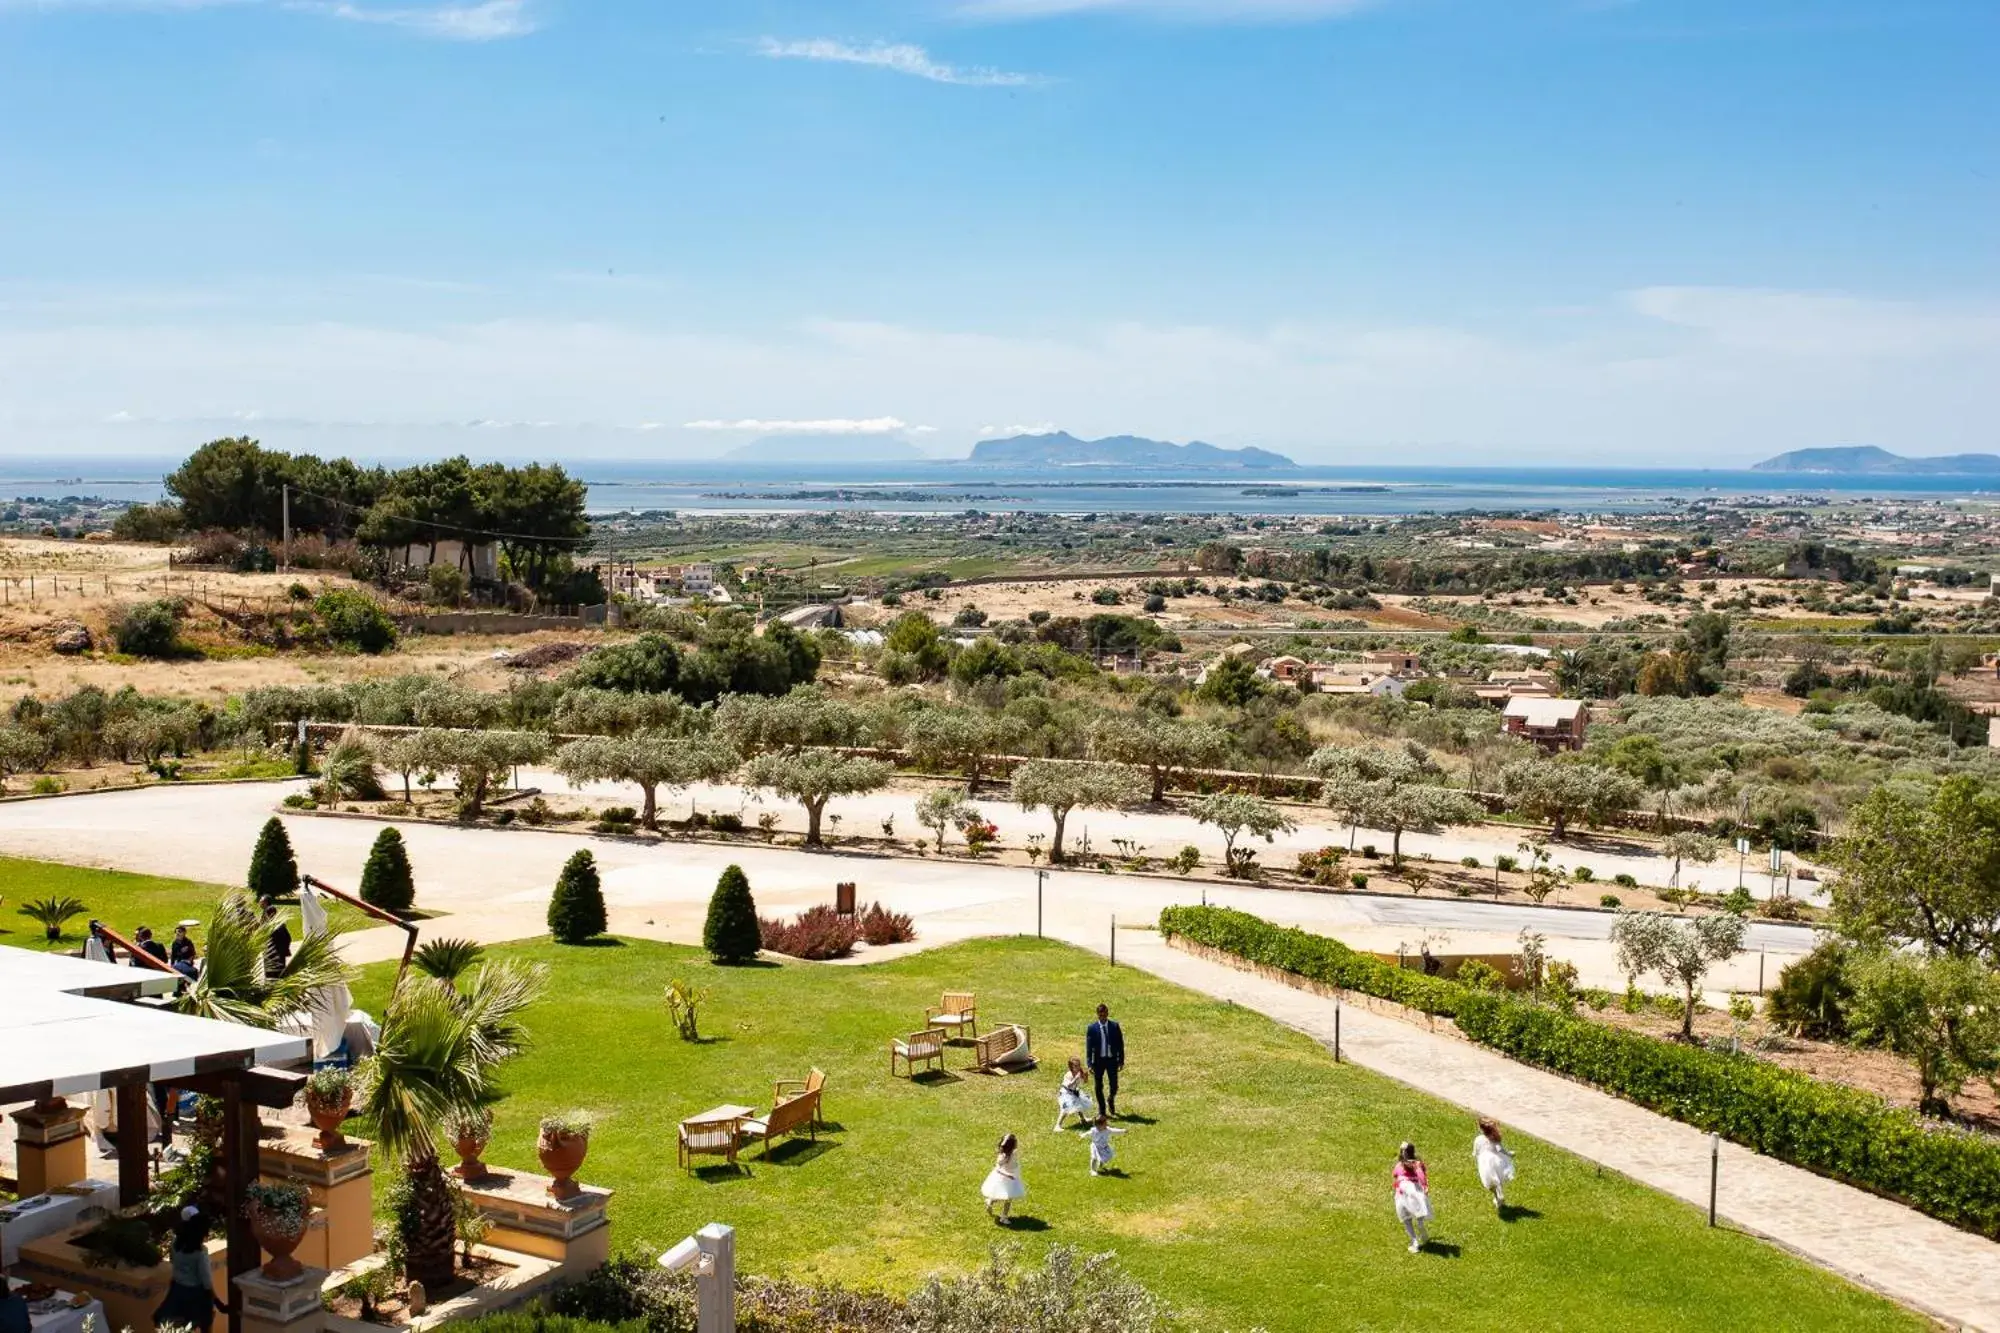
{"type": "Point", "coordinates": [1412, 1187]}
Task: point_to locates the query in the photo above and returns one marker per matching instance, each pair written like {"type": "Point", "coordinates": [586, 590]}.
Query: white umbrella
{"type": "Point", "coordinates": [326, 1022]}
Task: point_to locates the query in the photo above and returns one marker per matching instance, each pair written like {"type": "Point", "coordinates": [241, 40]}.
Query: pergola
{"type": "Point", "coordinates": [70, 1027]}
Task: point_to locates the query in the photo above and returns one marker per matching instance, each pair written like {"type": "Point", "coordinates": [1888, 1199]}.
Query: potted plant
{"type": "Point", "coordinates": [278, 1215]}
{"type": "Point", "coordinates": [329, 1097]}
{"type": "Point", "coordinates": [564, 1141]}
{"type": "Point", "coordinates": [470, 1131]}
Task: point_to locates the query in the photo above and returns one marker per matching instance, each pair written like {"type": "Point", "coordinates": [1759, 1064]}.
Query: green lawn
{"type": "Point", "coordinates": [123, 901]}
{"type": "Point", "coordinates": [1257, 1191]}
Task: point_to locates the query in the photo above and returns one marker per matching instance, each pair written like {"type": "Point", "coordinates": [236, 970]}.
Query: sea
{"type": "Point", "coordinates": [650, 486]}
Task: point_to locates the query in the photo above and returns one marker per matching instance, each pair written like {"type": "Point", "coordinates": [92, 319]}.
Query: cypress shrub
{"type": "Point", "coordinates": [576, 909]}
{"type": "Point", "coordinates": [1837, 1131]}
{"type": "Point", "coordinates": [274, 871]}
{"type": "Point", "coordinates": [385, 878]}
{"type": "Point", "coordinates": [732, 934]}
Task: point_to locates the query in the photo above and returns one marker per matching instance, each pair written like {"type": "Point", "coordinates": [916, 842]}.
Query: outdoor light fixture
{"type": "Point", "coordinates": [711, 1252]}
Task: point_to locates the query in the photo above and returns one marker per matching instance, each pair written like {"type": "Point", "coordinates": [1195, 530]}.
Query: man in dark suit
{"type": "Point", "coordinates": [278, 946]}
{"type": "Point", "coordinates": [144, 939]}
{"type": "Point", "coordinates": [1104, 1052]}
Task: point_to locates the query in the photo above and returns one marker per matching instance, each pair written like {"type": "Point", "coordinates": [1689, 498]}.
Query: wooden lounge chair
{"type": "Point", "coordinates": [1002, 1049]}
{"type": "Point", "coordinates": [919, 1048]}
{"type": "Point", "coordinates": [708, 1138]}
{"type": "Point", "coordinates": [813, 1084]}
{"type": "Point", "coordinates": [789, 1115]}
{"type": "Point", "coordinates": [958, 1011]}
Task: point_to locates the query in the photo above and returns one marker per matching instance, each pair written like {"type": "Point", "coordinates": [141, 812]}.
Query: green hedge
{"type": "Point", "coordinates": [1312, 956]}
{"type": "Point", "coordinates": [1837, 1131]}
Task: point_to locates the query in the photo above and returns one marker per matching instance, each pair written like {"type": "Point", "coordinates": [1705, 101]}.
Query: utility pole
{"type": "Point", "coordinates": [287, 556]}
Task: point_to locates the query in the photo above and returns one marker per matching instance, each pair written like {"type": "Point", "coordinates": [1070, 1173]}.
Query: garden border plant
{"type": "Point", "coordinates": [1847, 1134]}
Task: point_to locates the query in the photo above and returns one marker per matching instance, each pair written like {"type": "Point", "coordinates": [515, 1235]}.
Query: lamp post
{"type": "Point", "coordinates": [1041, 877]}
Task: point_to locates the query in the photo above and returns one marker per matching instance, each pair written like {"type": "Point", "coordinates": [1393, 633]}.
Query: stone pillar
{"type": "Point", "coordinates": [339, 1185]}
{"type": "Point", "coordinates": [290, 1306]}
{"type": "Point", "coordinates": [575, 1232]}
{"type": "Point", "coordinates": [49, 1144]}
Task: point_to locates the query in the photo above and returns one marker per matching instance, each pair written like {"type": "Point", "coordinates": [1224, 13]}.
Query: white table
{"type": "Point", "coordinates": [58, 1315]}
{"type": "Point", "coordinates": [41, 1215]}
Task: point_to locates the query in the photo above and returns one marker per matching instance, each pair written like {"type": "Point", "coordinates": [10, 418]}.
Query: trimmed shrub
{"type": "Point", "coordinates": [731, 933]}
{"type": "Point", "coordinates": [1313, 956]}
{"type": "Point", "coordinates": [274, 870]}
{"type": "Point", "coordinates": [576, 909]}
{"type": "Point", "coordinates": [385, 877]}
{"type": "Point", "coordinates": [1608, 900]}
{"type": "Point", "coordinates": [355, 620]}
{"type": "Point", "coordinates": [1625, 881]}
{"type": "Point", "coordinates": [818, 933]}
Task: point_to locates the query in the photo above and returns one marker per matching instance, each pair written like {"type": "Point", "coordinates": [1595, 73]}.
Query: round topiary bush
{"type": "Point", "coordinates": [732, 934]}
{"type": "Point", "coordinates": [576, 910]}
{"type": "Point", "coordinates": [274, 870]}
{"type": "Point", "coordinates": [385, 879]}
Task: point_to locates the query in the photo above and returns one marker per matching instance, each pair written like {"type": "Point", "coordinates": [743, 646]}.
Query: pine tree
{"type": "Point", "coordinates": [576, 910]}
{"type": "Point", "coordinates": [385, 879]}
{"type": "Point", "coordinates": [732, 934]}
{"type": "Point", "coordinates": [274, 871]}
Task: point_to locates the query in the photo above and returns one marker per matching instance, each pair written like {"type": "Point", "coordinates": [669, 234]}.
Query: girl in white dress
{"type": "Point", "coordinates": [1003, 1183]}
{"type": "Point", "coordinates": [1412, 1187]}
{"type": "Point", "coordinates": [1494, 1161]}
{"type": "Point", "coordinates": [1100, 1145]}
{"type": "Point", "coordinates": [1071, 1099]}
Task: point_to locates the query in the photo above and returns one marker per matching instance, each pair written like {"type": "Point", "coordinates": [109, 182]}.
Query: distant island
{"type": "Point", "coordinates": [827, 449]}
{"type": "Point", "coordinates": [1065, 450]}
{"type": "Point", "coordinates": [1864, 459]}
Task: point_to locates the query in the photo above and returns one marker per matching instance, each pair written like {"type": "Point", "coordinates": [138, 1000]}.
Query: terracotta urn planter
{"type": "Point", "coordinates": [562, 1155]}
{"type": "Point", "coordinates": [279, 1236]}
{"type": "Point", "coordinates": [469, 1141]}
{"type": "Point", "coordinates": [328, 1114]}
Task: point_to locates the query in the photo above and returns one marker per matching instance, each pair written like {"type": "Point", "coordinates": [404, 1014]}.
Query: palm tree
{"type": "Point", "coordinates": [236, 984]}
{"type": "Point", "coordinates": [435, 1061]}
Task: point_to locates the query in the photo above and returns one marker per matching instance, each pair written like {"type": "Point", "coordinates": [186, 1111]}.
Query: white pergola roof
{"type": "Point", "coordinates": [60, 1036]}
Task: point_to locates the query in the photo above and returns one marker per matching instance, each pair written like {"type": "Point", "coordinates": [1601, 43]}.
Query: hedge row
{"type": "Point", "coordinates": [1836, 1131]}
{"type": "Point", "coordinates": [1312, 956]}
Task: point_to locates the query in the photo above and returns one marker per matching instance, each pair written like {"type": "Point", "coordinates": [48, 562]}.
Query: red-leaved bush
{"type": "Point", "coordinates": [881, 926]}
{"type": "Point", "coordinates": [816, 934]}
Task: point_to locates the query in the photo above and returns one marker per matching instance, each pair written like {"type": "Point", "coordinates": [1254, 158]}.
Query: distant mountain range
{"type": "Point", "coordinates": [827, 449]}
{"type": "Point", "coordinates": [1862, 459]}
{"type": "Point", "coordinates": [1065, 450]}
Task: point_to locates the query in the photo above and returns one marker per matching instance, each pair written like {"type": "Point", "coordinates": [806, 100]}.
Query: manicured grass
{"type": "Point", "coordinates": [123, 901]}
{"type": "Point", "coordinates": [1257, 1192]}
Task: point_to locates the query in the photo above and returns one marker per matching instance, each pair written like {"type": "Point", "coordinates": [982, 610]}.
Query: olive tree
{"type": "Point", "coordinates": [588, 711]}
{"type": "Point", "coordinates": [960, 738]}
{"type": "Point", "coordinates": [1396, 791]}
{"type": "Point", "coordinates": [1926, 873]}
{"type": "Point", "coordinates": [476, 758]}
{"type": "Point", "coordinates": [648, 759]}
{"type": "Point", "coordinates": [1940, 1013]}
{"type": "Point", "coordinates": [1233, 814]}
{"type": "Point", "coordinates": [942, 810]}
{"type": "Point", "coordinates": [1059, 787]}
{"type": "Point", "coordinates": [1558, 791]}
{"type": "Point", "coordinates": [1681, 950]}
{"type": "Point", "coordinates": [1162, 746]}
{"type": "Point", "coordinates": [814, 777]}
{"type": "Point", "coordinates": [1686, 845]}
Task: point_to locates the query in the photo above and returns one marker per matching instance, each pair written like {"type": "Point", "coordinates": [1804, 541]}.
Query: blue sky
{"type": "Point", "coordinates": [1655, 231]}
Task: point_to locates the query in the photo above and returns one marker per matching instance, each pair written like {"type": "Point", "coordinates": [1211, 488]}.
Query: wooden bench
{"type": "Point", "coordinates": [925, 1048]}
{"type": "Point", "coordinates": [1004, 1046]}
{"type": "Point", "coordinates": [957, 1011]}
{"type": "Point", "coordinates": [797, 1112]}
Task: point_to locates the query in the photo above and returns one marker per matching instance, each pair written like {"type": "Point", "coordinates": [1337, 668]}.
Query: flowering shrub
{"type": "Point", "coordinates": [881, 926]}
{"type": "Point", "coordinates": [816, 934]}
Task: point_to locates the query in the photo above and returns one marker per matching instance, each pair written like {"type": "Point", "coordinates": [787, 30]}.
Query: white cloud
{"type": "Point", "coordinates": [1197, 11]}
{"type": "Point", "coordinates": [899, 57]}
{"type": "Point", "coordinates": [485, 21]}
{"type": "Point", "coordinates": [822, 426]}
{"type": "Point", "coordinates": [471, 21]}
{"type": "Point", "coordinates": [1661, 375]}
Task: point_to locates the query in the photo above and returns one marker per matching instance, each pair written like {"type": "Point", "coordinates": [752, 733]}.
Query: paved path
{"type": "Point", "coordinates": [494, 884]}
{"type": "Point", "coordinates": [1914, 1259]}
